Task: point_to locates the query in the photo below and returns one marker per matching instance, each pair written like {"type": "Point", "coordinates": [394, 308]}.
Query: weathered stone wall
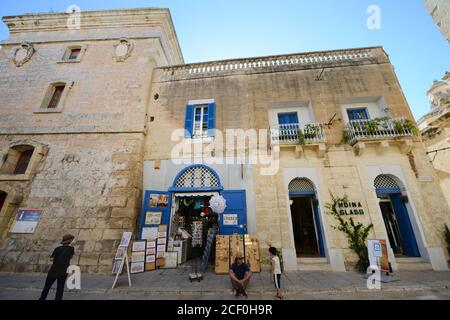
{"type": "Point", "coordinates": [89, 189]}
{"type": "Point", "coordinates": [88, 176]}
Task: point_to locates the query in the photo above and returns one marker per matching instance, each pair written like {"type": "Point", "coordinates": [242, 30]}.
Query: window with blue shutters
{"type": "Point", "coordinates": [200, 120]}
{"type": "Point", "coordinates": [357, 114]}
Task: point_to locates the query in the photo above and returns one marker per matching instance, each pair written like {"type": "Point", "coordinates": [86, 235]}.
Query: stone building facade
{"type": "Point", "coordinates": [111, 112]}
{"type": "Point", "coordinates": [440, 11]}
{"type": "Point", "coordinates": [86, 167]}
{"type": "Point", "coordinates": [435, 130]}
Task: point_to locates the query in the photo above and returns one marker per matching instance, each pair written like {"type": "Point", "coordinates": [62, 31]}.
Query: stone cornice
{"type": "Point", "coordinates": [107, 19]}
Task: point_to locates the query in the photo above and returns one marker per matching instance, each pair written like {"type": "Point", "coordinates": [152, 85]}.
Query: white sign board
{"type": "Point", "coordinates": [26, 221]}
{"type": "Point", "coordinates": [230, 219]}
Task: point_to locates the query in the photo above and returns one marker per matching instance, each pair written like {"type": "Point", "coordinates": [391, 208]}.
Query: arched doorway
{"type": "Point", "coordinates": [395, 215]}
{"type": "Point", "coordinates": [306, 223]}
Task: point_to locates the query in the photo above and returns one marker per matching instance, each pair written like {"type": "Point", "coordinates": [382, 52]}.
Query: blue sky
{"type": "Point", "coordinates": [222, 29]}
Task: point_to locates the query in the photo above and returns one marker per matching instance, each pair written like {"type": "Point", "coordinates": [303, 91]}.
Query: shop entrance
{"type": "Point", "coordinates": [191, 221]}
{"type": "Point", "coordinates": [396, 218]}
{"type": "Point", "coordinates": [305, 227]}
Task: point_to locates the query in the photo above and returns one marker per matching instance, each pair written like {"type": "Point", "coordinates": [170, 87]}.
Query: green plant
{"type": "Point", "coordinates": [405, 125]}
{"type": "Point", "coordinates": [356, 233]}
{"type": "Point", "coordinates": [345, 137]}
{"type": "Point", "coordinates": [301, 137]}
{"type": "Point", "coordinates": [370, 126]}
{"type": "Point", "coordinates": [447, 235]}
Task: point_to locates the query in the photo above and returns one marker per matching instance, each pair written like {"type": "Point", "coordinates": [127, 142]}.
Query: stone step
{"type": "Point", "coordinates": [412, 264]}
{"type": "Point", "coordinates": [313, 264]}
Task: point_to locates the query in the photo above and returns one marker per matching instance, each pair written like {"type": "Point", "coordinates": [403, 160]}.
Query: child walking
{"type": "Point", "coordinates": [276, 271]}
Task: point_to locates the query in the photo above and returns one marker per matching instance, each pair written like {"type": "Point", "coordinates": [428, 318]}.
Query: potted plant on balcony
{"type": "Point", "coordinates": [446, 234]}
{"type": "Point", "coordinates": [403, 126]}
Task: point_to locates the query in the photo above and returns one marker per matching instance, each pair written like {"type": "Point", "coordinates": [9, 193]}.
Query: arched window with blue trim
{"type": "Point", "coordinates": [197, 177]}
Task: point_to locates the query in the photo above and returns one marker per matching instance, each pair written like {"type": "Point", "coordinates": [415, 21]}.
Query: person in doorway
{"type": "Point", "coordinates": [276, 271]}
{"type": "Point", "coordinates": [58, 271]}
{"type": "Point", "coordinates": [240, 275]}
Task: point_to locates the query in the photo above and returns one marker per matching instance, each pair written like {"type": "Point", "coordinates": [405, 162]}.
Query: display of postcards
{"type": "Point", "coordinates": [116, 267]}
{"type": "Point", "coordinates": [159, 200]}
{"type": "Point", "coordinates": [139, 246]}
{"type": "Point", "coordinates": [149, 233]}
{"type": "Point", "coordinates": [150, 259]}
{"type": "Point", "coordinates": [162, 235]}
{"type": "Point", "coordinates": [161, 248]}
{"type": "Point", "coordinates": [162, 241]}
{"type": "Point", "coordinates": [160, 254]}
{"type": "Point", "coordinates": [126, 237]}
{"type": "Point", "coordinates": [138, 256]}
{"type": "Point", "coordinates": [121, 251]}
{"type": "Point", "coordinates": [151, 244]}
{"type": "Point", "coordinates": [151, 251]}
{"type": "Point", "coordinates": [137, 267]}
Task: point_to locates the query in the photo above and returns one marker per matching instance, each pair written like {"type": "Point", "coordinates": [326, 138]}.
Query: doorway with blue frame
{"type": "Point", "coordinates": [190, 193]}
{"type": "Point", "coordinates": [305, 217]}
{"type": "Point", "coordinates": [396, 218]}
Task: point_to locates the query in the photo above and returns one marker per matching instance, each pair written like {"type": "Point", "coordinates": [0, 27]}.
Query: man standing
{"type": "Point", "coordinates": [240, 275]}
{"type": "Point", "coordinates": [58, 272]}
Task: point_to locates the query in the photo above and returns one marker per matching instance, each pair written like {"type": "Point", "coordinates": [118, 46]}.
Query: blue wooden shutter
{"type": "Point", "coordinates": [189, 124]}
{"type": "Point", "coordinates": [211, 120]}
{"type": "Point", "coordinates": [236, 205]}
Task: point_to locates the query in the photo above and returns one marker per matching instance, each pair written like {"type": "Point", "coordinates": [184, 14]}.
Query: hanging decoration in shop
{"type": "Point", "coordinates": [218, 204]}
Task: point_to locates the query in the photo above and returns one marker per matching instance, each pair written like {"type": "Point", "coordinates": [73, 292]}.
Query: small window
{"type": "Point", "coordinates": [74, 54]}
{"type": "Point", "coordinates": [200, 121]}
{"type": "Point", "coordinates": [24, 160]}
{"type": "Point", "coordinates": [56, 96]}
{"type": "Point", "coordinates": [288, 118]}
{"type": "Point", "coordinates": [357, 114]}
{"type": "Point", "coordinates": [17, 160]}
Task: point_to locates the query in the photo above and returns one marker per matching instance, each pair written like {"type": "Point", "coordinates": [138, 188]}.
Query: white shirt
{"type": "Point", "coordinates": [276, 260]}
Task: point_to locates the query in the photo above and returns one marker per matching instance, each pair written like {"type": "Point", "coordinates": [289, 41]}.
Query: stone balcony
{"type": "Point", "coordinates": [380, 133]}
{"type": "Point", "coordinates": [311, 60]}
{"type": "Point", "coordinates": [299, 136]}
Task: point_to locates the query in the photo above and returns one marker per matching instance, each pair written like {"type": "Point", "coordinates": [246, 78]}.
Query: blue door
{"type": "Point", "coordinates": [315, 205]}
{"type": "Point", "coordinates": [234, 219]}
{"type": "Point", "coordinates": [409, 243]}
{"type": "Point", "coordinates": [288, 118]}
{"type": "Point", "coordinates": [156, 201]}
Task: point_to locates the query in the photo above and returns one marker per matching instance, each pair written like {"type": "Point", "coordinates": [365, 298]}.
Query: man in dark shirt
{"type": "Point", "coordinates": [58, 271]}
{"type": "Point", "coordinates": [240, 275]}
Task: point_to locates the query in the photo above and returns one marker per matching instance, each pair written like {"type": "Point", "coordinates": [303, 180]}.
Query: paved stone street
{"type": "Point", "coordinates": [174, 284]}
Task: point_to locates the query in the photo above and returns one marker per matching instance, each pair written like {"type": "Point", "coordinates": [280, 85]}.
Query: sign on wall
{"type": "Point", "coordinates": [350, 208]}
{"type": "Point", "coordinates": [26, 221]}
{"type": "Point", "coordinates": [230, 219]}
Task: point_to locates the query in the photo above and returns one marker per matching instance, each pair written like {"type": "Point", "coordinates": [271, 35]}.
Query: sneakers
{"type": "Point", "coordinates": [244, 293]}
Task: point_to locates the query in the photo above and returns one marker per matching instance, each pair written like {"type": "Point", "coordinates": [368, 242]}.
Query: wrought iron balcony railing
{"type": "Point", "coordinates": [297, 133]}
{"type": "Point", "coordinates": [383, 128]}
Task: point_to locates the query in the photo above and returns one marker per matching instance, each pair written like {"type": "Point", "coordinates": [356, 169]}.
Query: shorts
{"type": "Point", "coordinates": [277, 280]}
